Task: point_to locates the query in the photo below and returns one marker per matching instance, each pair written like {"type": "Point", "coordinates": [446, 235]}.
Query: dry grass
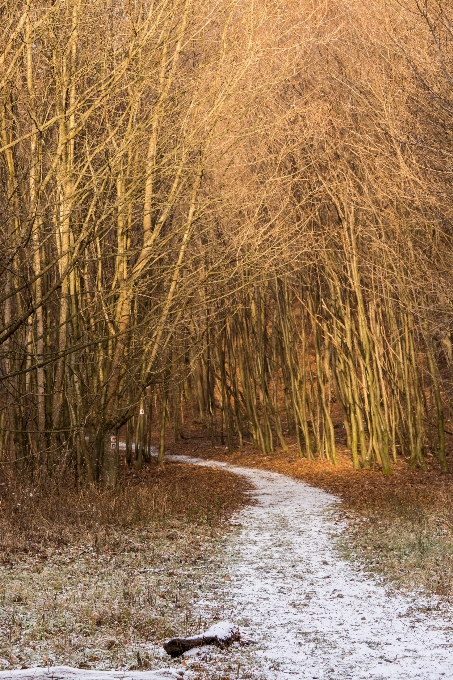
{"type": "Point", "coordinates": [99, 579]}
{"type": "Point", "coordinates": [408, 541]}
{"type": "Point", "coordinates": [400, 527]}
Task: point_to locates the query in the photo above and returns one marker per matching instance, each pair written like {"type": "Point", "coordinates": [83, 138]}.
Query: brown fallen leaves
{"type": "Point", "coordinates": [40, 519]}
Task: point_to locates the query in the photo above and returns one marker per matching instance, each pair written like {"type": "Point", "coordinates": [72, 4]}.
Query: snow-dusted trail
{"type": "Point", "coordinates": [316, 615]}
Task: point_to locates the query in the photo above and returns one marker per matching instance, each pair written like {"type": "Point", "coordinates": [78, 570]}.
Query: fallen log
{"type": "Point", "coordinates": [68, 673]}
{"type": "Point", "coordinates": [220, 634]}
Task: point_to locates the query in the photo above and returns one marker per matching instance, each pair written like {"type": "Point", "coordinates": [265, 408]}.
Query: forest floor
{"type": "Point", "coordinates": [99, 580]}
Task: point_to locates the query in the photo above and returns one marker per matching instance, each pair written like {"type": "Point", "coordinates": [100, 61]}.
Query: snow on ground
{"type": "Point", "coordinates": [313, 614]}
{"type": "Point", "coordinates": [68, 673]}
{"type": "Point", "coordinates": [310, 613]}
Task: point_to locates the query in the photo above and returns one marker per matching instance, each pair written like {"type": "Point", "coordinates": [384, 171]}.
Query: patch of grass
{"type": "Point", "coordinates": [407, 541]}
{"type": "Point", "coordinates": [97, 580]}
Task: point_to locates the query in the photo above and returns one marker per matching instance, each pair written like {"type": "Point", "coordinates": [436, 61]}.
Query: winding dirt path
{"type": "Point", "coordinates": [314, 614]}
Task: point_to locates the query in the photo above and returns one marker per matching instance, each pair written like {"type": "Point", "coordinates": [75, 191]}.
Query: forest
{"type": "Point", "coordinates": [241, 209]}
{"type": "Point", "coordinates": [226, 232]}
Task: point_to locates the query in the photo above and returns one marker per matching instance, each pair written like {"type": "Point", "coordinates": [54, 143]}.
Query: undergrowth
{"type": "Point", "coordinates": [97, 579]}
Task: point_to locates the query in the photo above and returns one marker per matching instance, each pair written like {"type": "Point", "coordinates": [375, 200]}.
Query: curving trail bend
{"type": "Point", "coordinates": [313, 614]}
